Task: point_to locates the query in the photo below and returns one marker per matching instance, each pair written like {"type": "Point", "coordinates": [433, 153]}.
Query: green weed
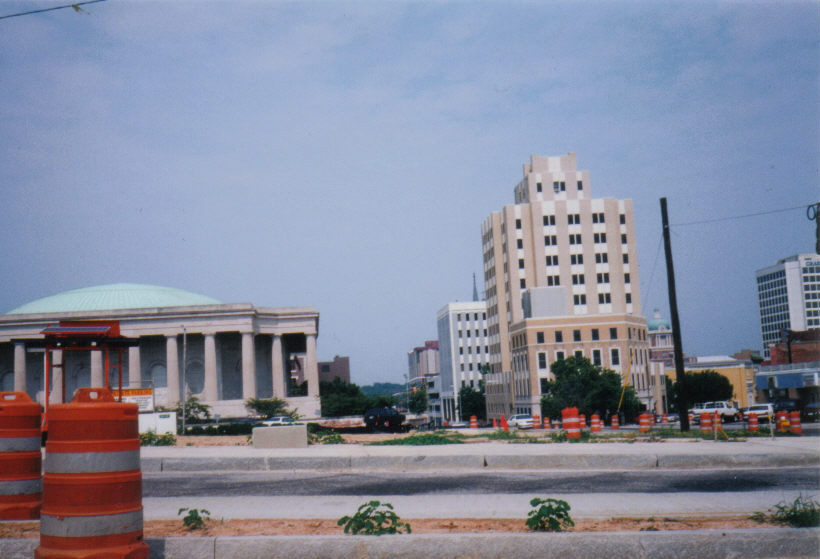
{"type": "Point", "coordinates": [374, 519]}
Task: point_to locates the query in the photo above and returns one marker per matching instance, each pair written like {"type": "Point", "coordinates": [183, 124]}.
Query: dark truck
{"type": "Point", "coordinates": [383, 418]}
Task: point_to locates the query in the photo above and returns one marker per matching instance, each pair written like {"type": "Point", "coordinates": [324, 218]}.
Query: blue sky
{"type": "Point", "coordinates": [343, 154]}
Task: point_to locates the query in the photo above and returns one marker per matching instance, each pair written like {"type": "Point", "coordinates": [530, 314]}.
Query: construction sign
{"type": "Point", "coordinates": [143, 397]}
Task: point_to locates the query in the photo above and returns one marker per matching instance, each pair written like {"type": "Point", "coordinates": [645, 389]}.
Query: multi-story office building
{"type": "Point", "coordinates": [423, 361]}
{"type": "Point", "coordinates": [580, 254]}
{"type": "Point", "coordinates": [788, 295]}
{"type": "Point", "coordinates": [661, 356]}
{"type": "Point", "coordinates": [463, 343]}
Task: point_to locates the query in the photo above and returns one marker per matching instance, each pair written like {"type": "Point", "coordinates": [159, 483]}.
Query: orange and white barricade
{"type": "Point", "coordinates": [615, 425]}
{"type": "Point", "coordinates": [753, 426]}
{"type": "Point", "coordinates": [644, 423]}
{"type": "Point", "coordinates": [705, 423]}
{"type": "Point", "coordinates": [595, 423]}
{"type": "Point", "coordinates": [473, 422]}
{"type": "Point", "coordinates": [20, 459]}
{"type": "Point", "coordinates": [571, 422]}
{"type": "Point", "coordinates": [794, 423]}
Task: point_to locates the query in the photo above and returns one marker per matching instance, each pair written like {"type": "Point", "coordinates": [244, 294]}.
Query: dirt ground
{"type": "Point", "coordinates": [279, 527]}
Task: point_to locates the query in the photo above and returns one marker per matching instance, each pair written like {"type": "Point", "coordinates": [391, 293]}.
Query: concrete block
{"type": "Point", "coordinates": [413, 462]}
{"type": "Point", "coordinates": [731, 460]}
{"type": "Point", "coordinates": [214, 463]}
{"type": "Point", "coordinates": [181, 548]}
{"type": "Point", "coordinates": [281, 436]}
{"type": "Point", "coordinates": [276, 463]}
{"type": "Point", "coordinates": [151, 464]}
{"type": "Point", "coordinates": [749, 544]}
{"type": "Point", "coordinates": [18, 548]}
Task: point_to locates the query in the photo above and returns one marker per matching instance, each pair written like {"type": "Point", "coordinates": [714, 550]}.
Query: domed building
{"type": "Point", "coordinates": [233, 351]}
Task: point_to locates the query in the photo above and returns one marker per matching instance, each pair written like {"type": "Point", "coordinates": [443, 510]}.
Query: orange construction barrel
{"type": "Point", "coordinates": [644, 423]}
{"type": "Point", "coordinates": [571, 422]}
{"type": "Point", "coordinates": [473, 422]}
{"type": "Point", "coordinates": [782, 422]}
{"type": "Point", "coordinates": [705, 423]}
{"type": "Point", "coordinates": [615, 423]}
{"type": "Point", "coordinates": [20, 458]}
{"type": "Point", "coordinates": [92, 483]}
{"type": "Point", "coordinates": [536, 422]}
{"type": "Point", "coordinates": [504, 425]}
{"type": "Point", "coordinates": [595, 423]}
{"type": "Point", "coordinates": [582, 421]}
{"type": "Point", "coordinates": [717, 422]}
{"type": "Point", "coordinates": [664, 419]}
{"type": "Point", "coordinates": [753, 425]}
{"type": "Point", "coordinates": [794, 423]}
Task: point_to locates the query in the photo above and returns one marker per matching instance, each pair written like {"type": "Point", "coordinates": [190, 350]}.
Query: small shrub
{"type": "Point", "coordinates": [802, 513]}
{"type": "Point", "coordinates": [374, 519]}
{"type": "Point", "coordinates": [195, 519]}
{"type": "Point", "coordinates": [324, 437]}
{"type": "Point", "coordinates": [502, 435]}
{"type": "Point", "coordinates": [152, 439]}
{"type": "Point", "coordinates": [549, 515]}
{"type": "Point", "coordinates": [559, 437]}
{"type": "Point", "coordinates": [424, 439]}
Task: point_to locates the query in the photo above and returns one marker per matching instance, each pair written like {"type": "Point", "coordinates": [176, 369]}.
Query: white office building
{"type": "Point", "coordinates": [788, 295]}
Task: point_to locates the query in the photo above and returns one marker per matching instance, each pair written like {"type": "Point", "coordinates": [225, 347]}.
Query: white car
{"type": "Point", "coordinates": [763, 411]}
{"type": "Point", "coordinates": [277, 420]}
{"type": "Point", "coordinates": [520, 421]}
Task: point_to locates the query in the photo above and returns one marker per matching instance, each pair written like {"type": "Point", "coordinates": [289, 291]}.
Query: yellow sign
{"type": "Point", "coordinates": [143, 397]}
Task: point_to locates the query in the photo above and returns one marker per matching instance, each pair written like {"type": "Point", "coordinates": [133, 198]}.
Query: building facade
{"type": "Point", "coordinates": [339, 368]}
{"type": "Point", "coordinates": [463, 343]}
{"type": "Point", "coordinates": [423, 361]}
{"type": "Point", "coordinates": [661, 357]}
{"type": "Point", "coordinates": [582, 250]}
{"type": "Point", "coordinates": [232, 351]}
{"type": "Point", "coordinates": [788, 297]}
{"type": "Point", "coordinates": [741, 375]}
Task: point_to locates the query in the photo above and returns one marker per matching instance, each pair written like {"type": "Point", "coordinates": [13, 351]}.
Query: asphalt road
{"type": "Point", "coordinates": [281, 484]}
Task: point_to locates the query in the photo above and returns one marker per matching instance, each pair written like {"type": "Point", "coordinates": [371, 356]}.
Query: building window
{"type": "Point", "coordinates": [542, 360]}
{"type": "Point", "coordinates": [553, 280]}
{"type": "Point", "coordinates": [595, 334]}
{"type": "Point", "coordinates": [578, 353]}
{"type": "Point", "coordinates": [580, 185]}
{"type": "Point", "coordinates": [622, 218]}
{"type": "Point", "coordinates": [520, 263]}
{"type": "Point", "coordinates": [539, 337]}
{"type": "Point", "coordinates": [538, 186]}
{"type": "Point", "coordinates": [626, 258]}
{"type": "Point", "coordinates": [576, 258]}
{"type": "Point", "coordinates": [518, 224]}
{"type": "Point", "coordinates": [623, 238]}
{"type": "Point", "coordinates": [601, 258]}
{"type": "Point", "coordinates": [599, 237]}
{"type": "Point", "coordinates": [604, 298]}
{"type": "Point", "coordinates": [461, 351]}
{"type": "Point", "coordinates": [579, 299]}
{"type": "Point", "coordinates": [559, 336]}
{"type": "Point", "coordinates": [613, 333]}
{"type": "Point", "coordinates": [549, 220]}
{"type": "Point", "coordinates": [626, 278]}
{"type": "Point", "coordinates": [576, 335]}
{"type": "Point", "coordinates": [603, 277]}
{"type": "Point", "coordinates": [523, 283]}
{"type": "Point", "coordinates": [559, 355]}
{"type": "Point", "coordinates": [519, 243]}
{"type": "Point", "coordinates": [573, 219]}
{"type": "Point", "coordinates": [615, 356]}
{"type": "Point", "coordinates": [559, 186]}
{"type": "Point", "coordinates": [550, 240]}
{"type": "Point", "coordinates": [596, 357]}
{"type": "Point", "coordinates": [629, 297]}
{"type": "Point", "coordinates": [577, 279]}
{"type": "Point", "coordinates": [575, 239]}
{"type": "Point", "coordinates": [552, 260]}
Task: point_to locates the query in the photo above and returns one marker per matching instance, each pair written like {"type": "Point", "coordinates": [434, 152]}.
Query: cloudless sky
{"type": "Point", "coordinates": [343, 155]}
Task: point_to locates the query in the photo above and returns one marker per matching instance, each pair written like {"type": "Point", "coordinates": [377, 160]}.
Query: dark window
{"type": "Point", "coordinates": [559, 355]}
{"type": "Point", "coordinates": [623, 219]}
{"type": "Point", "coordinates": [613, 333]}
{"type": "Point", "coordinates": [518, 224]}
{"type": "Point", "coordinates": [580, 185]}
{"type": "Point", "coordinates": [579, 353]}
{"type": "Point", "coordinates": [576, 258]}
{"type": "Point", "coordinates": [626, 278]}
{"type": "Point", "coordinates": [542, 360]}
{"type": "Point", "coordinates": [577, 279]}
{"type": "Point", "coordinates": [595, 334]}
{"type": "Point", "coordinates": [626, 258]}
{"type": "Point", "coordinates": [623, 238]}
{"type": "Point", "coordinates": [599, 237]}
{"type": "Point", "coordinates": [559, 336]}
{"type": "Point", "coordinates": [579, 299]}
{"type": "Point", "coordinates": [576, 335]}
{"type": "Point", "coordinates": [538, 186]}
{"type": "Point", "coordinates": [629, 297]}
{"type": "Point", "coordinates": [596, 357]}
{"type": "Point", "coordinates": [539, 337]}
{"type": "Point", "coordinates": [521, 263]}
{"type": "Point", "coordinates": [523, 284]}
{"type": "Point", "coordinates": [615, 356]}
{"type": "Point", "coordinates": [520, 243]}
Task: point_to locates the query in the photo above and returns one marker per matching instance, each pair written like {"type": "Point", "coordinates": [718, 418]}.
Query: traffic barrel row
{"type": "Point", "coordinates": [20, 458]}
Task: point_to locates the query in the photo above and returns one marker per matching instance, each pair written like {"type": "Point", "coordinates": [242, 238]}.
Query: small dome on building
{"type": "Point", "coordinates": [658, 323]}
{"type": "Point", "coordinates": [114, 296]}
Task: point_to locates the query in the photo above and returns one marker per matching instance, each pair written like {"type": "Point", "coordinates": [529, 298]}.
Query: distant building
{"type": "Point", "coordinates": [463, 343]}
{"type": "Point", "coordinates": [339, 368]}
{"type": "Point", "coordinates": [795, 347]}
{"type": "Point", "coordinates": [741, 375]}
{"type": "Point", "coordinates": [234, 351]}
{"type": "Point", "coordinates": [576, 256]}
{"type": "Point", "coordinates": [423, 361]}
{"type": "Point", "coordinates": [792, 381]}
{"type": "Point", "coordinates": [661, 357]}
{"type": "Point", "coordinates": [788, 297]}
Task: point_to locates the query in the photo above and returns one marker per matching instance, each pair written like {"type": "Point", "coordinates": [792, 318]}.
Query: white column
{"type": "Point", "coordinates": [56, 387]}
{"type": "Point", "coordinates": [19, 367]}
{"type": "Point", "coordinates": [97, 379]}
{"type": "Point", "coordinates": [211, 391]}
{"type": "Point", "coordinates": [311, 365]}
{"type": "Point", "coordinates": [278, 368]}
{"type": "Point", "coordinates": [248, 366]}
{"type": "Point", "coordinates": [172, 370]}
{"type": "Point", "coordinates": [134, 367]}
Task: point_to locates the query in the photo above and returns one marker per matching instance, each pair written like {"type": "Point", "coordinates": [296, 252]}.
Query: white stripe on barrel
{"type": "Point", "coordinates": [90, 526]}
{"type": "Point", "coordinates": [92, 462]}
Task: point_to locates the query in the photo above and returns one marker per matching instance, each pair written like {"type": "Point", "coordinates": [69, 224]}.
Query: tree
{"type": "Point", "coordinates": [195, 411]}
{"type": "Point", "coordinates": [270, 407]}
{"type": "Point", "coordinates": [418, 400]}
{"type": "Point", "coordinates": [671, 395]}
{"type": "Point", "coordinates": [578, 383]}
{"type": "Point", "coordinates": [706, 386]}
{"type": "Point", "coordinates": [341, 398]}
{"type": "Point", "coordinates": [473, 402]}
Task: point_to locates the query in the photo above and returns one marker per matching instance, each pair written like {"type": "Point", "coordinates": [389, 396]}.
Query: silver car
{"type": "Point", "coordinates": [520, 421]}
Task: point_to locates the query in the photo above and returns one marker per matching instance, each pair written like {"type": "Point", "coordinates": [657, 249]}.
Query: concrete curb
{"type": "Point", "coordinates": [477, 462]}
{"type": "Point", "coordinates": [683, 544]}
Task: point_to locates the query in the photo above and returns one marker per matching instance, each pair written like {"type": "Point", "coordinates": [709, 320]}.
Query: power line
{"type": "Point", "coordinates": [652, 275]}
{"type": "Point", "coordinates": [738, 216]}
{"type": "Point", "coordinates": [75, 5]}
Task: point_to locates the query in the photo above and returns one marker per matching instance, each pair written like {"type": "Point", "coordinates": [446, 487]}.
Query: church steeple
{"type": "Point", "coordinates": [475, 289]}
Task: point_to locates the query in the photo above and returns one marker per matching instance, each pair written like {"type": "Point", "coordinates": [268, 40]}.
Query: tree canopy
{"type": "Point", "coordinates": [703, 386]}
{"type": "Point", "coordinates": [473, 402]}
{"type": "Point", "coordinates": [418, 400]}
{"type": "Point", "coordinates": [341, 398]}
{"type": "Point", "coordinates": [592, 389]}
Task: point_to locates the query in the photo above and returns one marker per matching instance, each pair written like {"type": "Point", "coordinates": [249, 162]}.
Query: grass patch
{"type": "Point", "coordinates": [803, 512]}
{"type": "Point", "coordinates": [423, 439]}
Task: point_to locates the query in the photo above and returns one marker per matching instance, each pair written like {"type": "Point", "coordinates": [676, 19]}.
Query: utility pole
{"type": "Point", "coordinates": [683, 395]}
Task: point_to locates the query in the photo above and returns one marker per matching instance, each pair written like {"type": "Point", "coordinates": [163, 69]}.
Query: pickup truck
{"type": "Point", "coordinates": [727, 411]}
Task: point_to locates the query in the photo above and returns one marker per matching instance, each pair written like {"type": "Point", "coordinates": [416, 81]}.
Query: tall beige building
{"type": "Point", "coordinates": [580, 254]}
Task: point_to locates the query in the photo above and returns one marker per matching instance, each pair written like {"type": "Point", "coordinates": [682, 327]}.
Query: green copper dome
{"type": "Point", "coordinates": [658, 323]}
{"type": "Point", "coordinates": [115, 296]}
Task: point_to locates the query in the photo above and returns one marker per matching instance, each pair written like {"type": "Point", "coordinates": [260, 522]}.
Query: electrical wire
{"type": "Point", "coordinates": [652, 274]}
{"type": "Point", "coordinates": [737, 216]}
{"type": "Point", "coordinates": [75, 5]}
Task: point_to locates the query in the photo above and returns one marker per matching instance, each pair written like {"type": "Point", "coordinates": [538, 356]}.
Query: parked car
{"type": "Point", "coordinates": [520, 421]}
{"type": "Point", "coordinates": [277, 420]}
{"type": "Point", "coordinates": [763, 411]}
{"type": "Point", "coordinates": [785, 405]}
{"type": "Point", "coordinates": [725, 409]}
{"type": "Point", "coordinates": [811, 413]}
{"type": "Point", "coordinates": [383, 418]}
